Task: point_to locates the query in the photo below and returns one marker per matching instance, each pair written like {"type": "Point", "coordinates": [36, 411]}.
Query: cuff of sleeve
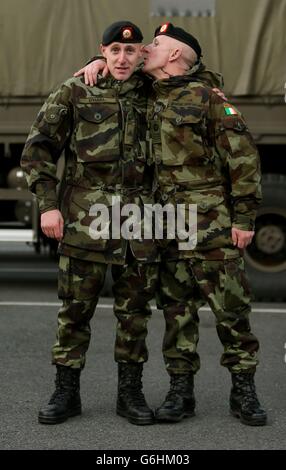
{"type": "Point", "coordinates": [46, 196]}
{"type": "Point", "coordinates": [45, 206]}
{"type": "Point", "coordinates": [96, 57]}
{"type": "Point", "coordinates": [243, 222]}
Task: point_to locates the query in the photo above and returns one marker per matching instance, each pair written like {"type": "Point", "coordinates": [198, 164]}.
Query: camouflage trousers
{"type": "Point", "coordinates": [80, 283]}
{"type": "Point", "coordinates": [185, 286]}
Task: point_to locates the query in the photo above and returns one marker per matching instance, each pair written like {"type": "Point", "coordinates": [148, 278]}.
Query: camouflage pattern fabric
{"type": "Point", "coordinates": [80, 283]}
{"type": "Point", "coordinates": [79, 286]}
{"type": "Point", "coordinates": [102, 132]}
{"type": "Point", "coordinates": [204, 155]}
{"type": "Point", "coordinates": [135, 285]}
{"type": "Point", "coordinates": [185, 285]}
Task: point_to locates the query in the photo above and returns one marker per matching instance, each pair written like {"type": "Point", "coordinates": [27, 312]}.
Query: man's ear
{"type": "Point", "coordinates": [102, 50]}
{"type": "Point", "coordinates": [141, 50]}
{"type": "Point", "coordinates": [175, 54]}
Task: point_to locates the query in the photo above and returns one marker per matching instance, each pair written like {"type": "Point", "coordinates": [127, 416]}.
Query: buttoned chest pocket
{"type": "Point", "coordinates": [49, 121]}
{"type": "Point", "coordinates": [97, 132]}
{"type": "Point", "coordinates": [184, 136]}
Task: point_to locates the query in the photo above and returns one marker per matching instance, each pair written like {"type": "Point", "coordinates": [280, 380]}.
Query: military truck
{"type": "Point", "coordinates": [44, 41]}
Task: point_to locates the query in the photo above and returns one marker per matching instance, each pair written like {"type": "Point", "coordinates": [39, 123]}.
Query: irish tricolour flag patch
{"type": "Point", "coordinates": [229, 110]}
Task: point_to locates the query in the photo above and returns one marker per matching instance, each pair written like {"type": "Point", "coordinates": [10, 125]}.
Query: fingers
{"type": "Point", "coordinates": [48, 232]}
{"type": "Point", "coordinates": [58, 231]}
{"type": "Point", "coordinates": [88, 78]}
{"type": "Point", "coordinates": [79, 73]}
{"type": "Point", "coordinates": [220, 93]}
{"type": "Point", "coordinates": [241, 238]}
{"type": "Point", "coordinates": [105, 71]}
{"type": "Point", "coordinates": [52, 224]}
{"type": "Point", "coordinates": [53, 232]}
{"type": "Point", "coordinates": [241, 243]}
{"type": "Point", "coordinates": [246, 240]}
{"type": "Point", "coordinates": [234, 236]}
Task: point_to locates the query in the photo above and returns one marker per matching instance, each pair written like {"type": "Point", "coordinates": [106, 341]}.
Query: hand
{"type": "Point", "coordinates": [92, 70]}
{"type": "Point", "coordinates": [241, 238]}
{"type": "Point", "coordinates": [52, 224]}
{"type": "Point", "coordinates": [220, 93]}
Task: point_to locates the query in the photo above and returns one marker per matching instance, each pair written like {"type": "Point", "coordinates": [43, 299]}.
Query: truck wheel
{"type": "Point", "coordinates": [266, 256]}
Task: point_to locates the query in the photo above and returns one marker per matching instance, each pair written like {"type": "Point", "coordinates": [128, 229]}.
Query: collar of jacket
{"type": "Point", "coordinates": [122, 87]}
{"type": "Point", "coordinates": [198, 73]}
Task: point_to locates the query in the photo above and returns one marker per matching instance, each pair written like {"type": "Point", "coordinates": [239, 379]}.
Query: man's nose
{"type": "Point", "coordinates": [122, 57]}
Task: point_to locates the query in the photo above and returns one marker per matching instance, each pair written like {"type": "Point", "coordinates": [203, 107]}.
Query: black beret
{"type": "Point", "coordinates": [168, 29]}
{"type": "Point", "coordinates": [122, 31]}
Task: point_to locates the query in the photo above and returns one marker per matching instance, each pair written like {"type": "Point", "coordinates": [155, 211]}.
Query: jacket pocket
{"type": "Point", "coordinates": [49, 121]}
{"type": "Point", "coordinates": [213, 224]}
{"type": "Point", "coordinates": [184, 136]}
{"type": "Point", "coordinates": [97, 132]}
{"type": "Point", "coordinates": [88, 223]}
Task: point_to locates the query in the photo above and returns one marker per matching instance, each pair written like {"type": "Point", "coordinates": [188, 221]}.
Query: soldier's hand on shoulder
{"type": "Point", "coordinates": [220, 93]}
{"type": "Point", "coordinates": [92, 70]}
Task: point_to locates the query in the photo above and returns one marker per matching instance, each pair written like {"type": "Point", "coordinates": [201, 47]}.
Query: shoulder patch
{"type": "Point", "coordinates": [229, 110]}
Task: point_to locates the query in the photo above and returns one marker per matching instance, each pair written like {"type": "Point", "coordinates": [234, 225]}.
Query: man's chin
{"type": "Point", "coordinates": [122, 76]}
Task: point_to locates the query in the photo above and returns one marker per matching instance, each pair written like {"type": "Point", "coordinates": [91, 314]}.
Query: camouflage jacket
{"type": "Point", "coordinates": [204, 155]}
{"type": "Point", "coordinates": [102, 132]}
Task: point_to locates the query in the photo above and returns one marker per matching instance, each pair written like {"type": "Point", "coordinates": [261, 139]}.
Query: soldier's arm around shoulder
{"type": "Point", "coordinates": [45, 143]}
{"type": "Point", "coordinates": [240, 160]}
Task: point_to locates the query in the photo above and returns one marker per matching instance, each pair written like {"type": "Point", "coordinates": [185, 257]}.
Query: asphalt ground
{"type": "Point", "coordinates": [28, 312]}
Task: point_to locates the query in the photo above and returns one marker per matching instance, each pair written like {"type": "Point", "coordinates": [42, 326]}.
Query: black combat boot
{"type": "Point", "coordinates": [180, 400]}
{"type": "Point", "coordinates": [65, 401]}
{"type": "Point", "coordinates": [243, 400]}
{"type": "Point", "coordinates": [131, 402]}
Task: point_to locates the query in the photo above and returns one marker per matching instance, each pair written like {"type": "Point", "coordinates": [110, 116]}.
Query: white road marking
{"type": "Point", "coordinates": [58, 304]}
{"type": "Point", "coordinates": [28, 270]}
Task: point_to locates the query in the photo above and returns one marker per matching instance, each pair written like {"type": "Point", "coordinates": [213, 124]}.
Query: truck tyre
{"type": "Point", "coordinates": [266, 256]}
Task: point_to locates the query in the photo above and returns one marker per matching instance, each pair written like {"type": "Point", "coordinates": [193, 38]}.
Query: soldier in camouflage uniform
{"type": "Point", "coordinates": [204, 155]}
{"type": "Point", "coordinates": [101, 131]}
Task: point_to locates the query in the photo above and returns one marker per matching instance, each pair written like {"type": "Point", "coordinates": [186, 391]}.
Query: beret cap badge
{"type": "Point", "coordinates": [164, 27]}
{"type": "Point", "coordinates": [127, 33]}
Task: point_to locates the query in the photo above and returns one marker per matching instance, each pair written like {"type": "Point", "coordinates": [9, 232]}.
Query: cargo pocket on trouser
{"type": "Point", "coordinates": [80, 283]}
{"type": "Point", "coordinates": [224, 285]}
{"type": "Point", "coordinates": [79, 279]}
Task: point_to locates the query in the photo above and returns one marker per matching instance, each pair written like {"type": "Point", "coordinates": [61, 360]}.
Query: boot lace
{"type": "Point", "coordinates": [178, 385]}
{"type": "Point", "coordinates": [133, 385]}
{"type": "Point", "coordinates": [59, 394]}
{"type": "Point", "coordinates": [249, 398]}
{"type": "Point", "coordinates": [66, 385]}
{"type": "Point", "coordinates": [247, 390]}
